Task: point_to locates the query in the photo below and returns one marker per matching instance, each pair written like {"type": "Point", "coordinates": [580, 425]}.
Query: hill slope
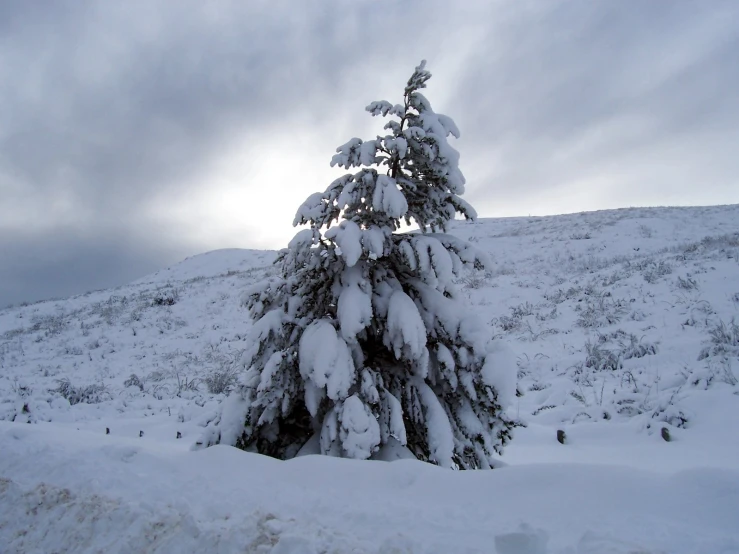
{"type": "Point", "coordinates": [622, 322]}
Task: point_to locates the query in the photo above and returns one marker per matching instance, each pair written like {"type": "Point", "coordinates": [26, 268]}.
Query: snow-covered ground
{"type": "Point", "coordinates": [622, 324]}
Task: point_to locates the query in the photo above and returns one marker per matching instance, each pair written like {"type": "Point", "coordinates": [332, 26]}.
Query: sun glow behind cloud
{"type": "Point", "coordinates": [248, 196]}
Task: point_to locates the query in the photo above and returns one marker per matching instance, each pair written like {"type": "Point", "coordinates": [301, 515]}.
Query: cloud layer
{"type": "Point", "coordinates": [134, 133]}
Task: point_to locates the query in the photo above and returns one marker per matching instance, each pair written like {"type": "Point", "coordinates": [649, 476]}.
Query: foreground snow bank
{"type": "Point", "coordinates": [75, 491]}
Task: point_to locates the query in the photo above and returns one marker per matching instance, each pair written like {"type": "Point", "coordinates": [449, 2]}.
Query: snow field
{"type": "Point", "coordinates": [620, 324]}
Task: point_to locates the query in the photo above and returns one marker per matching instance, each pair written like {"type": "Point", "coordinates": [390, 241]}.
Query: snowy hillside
{"type": "Point", "coordinates": [625, 327]}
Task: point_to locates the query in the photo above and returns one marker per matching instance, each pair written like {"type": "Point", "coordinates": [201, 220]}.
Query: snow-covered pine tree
{"type": "Point", "coordinates": [363, 340]}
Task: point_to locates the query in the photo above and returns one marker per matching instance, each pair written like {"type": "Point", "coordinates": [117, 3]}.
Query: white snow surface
{"type": "Point", "coordinates": [360, 432]}
{"type": "Point", "coordinates": [499, 371]}
{"type": "Point", "coordinates": [405, 328]}
{"type": "Point", "coordinates": [388, 198]}
{"type": "Point", "coordinates": [354, 307]}
{"type": "Point", "coordinates": [618, 323]}
{"type": "Point", "coordinates": [325, 359]}
{"type": "Point", "coordinates": [88, 492]}
{"type": "Point", "coordinates": [348, 236]}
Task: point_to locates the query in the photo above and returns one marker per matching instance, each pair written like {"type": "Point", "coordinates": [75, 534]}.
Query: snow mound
{"type": "Point", "coordinates": [77, 497]}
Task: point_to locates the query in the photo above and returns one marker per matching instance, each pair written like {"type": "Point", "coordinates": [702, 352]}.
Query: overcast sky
{"type": "Point", "coordinates": [136, 133]}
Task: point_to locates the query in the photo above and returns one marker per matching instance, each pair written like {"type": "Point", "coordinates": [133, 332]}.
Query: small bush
{"type": "Point", "coordinates": [21, 389]}
{"type": "Point", "coordinates": [522, 310]}
{"type": "Point", "coordinates": [724, 340]}
{"type": "Point", "coordinates": [184, 383]}
{"type": "Point", "coordinates": [475, 282]}
{"type": "Point", "coordinates": [672, 415]}
{"type": "Point", "coordinates": [73, 351]}
{"type": "Point", "coordinates": [157, 376]}
{"type": "Point", "coordinates": [166, 296]}
{"type": "Point", "coordinates": [615, 277]}
{"type": "Point", "coordinates": [220, 381]}
{"type": "Point", "coordinates": [164, 301]}
{"type": "Point", "coordinates": [717, 369]}
{"type": "Point", "coordinates": [601, 359]}
{"type": "Point", "coordinates": [91, 394]}
{"type": "Point", "coordinates": [501, 270]}
{"type": "Point", "coordinates": [687, 284]}
{"type": "Point", "coordinates": [633, 347]}
{"type": "Point", "coordinates": [600, 311]}
{"type": "Point", "coordinates": [645, 231]}
{"type": "Point", "coordinates": [559, 296]}
{"type": "Point", "coordinates": [546, 316]}
{"type": "Point", "coordinates": [654, 271]}
{"type": "Point", "coordinates": [51, 325]}
{"type": "Point", "coordinates": [134, 381]}
{"type": "Point", "coordinates": [508, 323]}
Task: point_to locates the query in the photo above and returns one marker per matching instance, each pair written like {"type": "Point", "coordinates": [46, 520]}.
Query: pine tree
{"type": "Point", "coordinates": [363, 340]}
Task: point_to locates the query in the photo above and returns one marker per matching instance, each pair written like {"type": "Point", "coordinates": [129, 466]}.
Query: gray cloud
{"type": "Point", "coordinates": [56, 266]}
{"type": "Point", "coordinates": [607, 88]}
{"type": "Point", "coordinates": [118, 119]}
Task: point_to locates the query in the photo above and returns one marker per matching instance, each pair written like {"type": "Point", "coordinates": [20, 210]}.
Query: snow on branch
{"type": "Point", "coordinates": [325, 359]}
{"type": "Point", "coordinates": [388, 198]}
